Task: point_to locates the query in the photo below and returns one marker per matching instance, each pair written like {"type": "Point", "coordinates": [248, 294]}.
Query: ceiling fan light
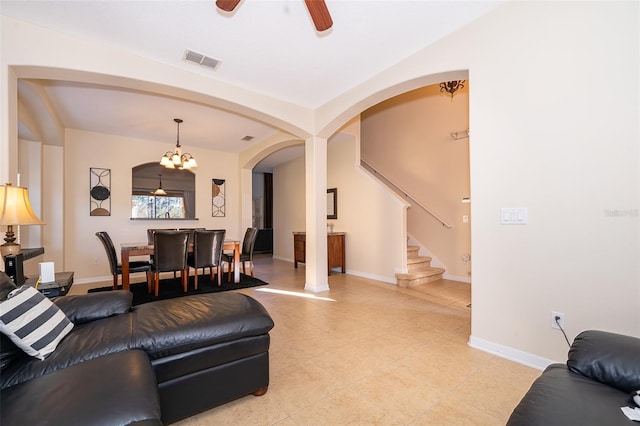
{"type": "Point", "coordinates": [170, 165]}
{"type": "Point", "coordinates": [175, 159]}
{"type": "Point", "coordinates": [192, 163]}
{"type": "Point", "coordinates": [165, 160]}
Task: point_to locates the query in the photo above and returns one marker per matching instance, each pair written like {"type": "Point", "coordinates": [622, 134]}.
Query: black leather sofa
{"type": "Point", "coordinates": [154, 363]}
{"type": "Point", "coordinates": [601, 372]}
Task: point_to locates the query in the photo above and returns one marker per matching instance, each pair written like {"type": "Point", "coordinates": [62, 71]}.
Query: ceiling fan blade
{"type": "Point", "coordinates": [227, 5]}
{"type": "Point", "coordinates": [319, 14]}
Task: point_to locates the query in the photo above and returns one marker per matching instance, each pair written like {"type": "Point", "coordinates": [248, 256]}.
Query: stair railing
{"type": "Point", "coordinates": [401, 191]}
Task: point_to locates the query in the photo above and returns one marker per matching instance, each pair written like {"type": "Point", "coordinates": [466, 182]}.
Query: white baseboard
{"type": "Point", "coordinates": [456, 278]}
{"type": "Point", "coordinates": [108, 278]}
{"type": "Point", "coordinates": [388, 280]}
{"type": "Point", "coordinates": [511, 354]}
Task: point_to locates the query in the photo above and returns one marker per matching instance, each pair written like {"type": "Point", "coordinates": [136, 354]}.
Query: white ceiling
{"type": "Point", "coordinates": [266, 46]}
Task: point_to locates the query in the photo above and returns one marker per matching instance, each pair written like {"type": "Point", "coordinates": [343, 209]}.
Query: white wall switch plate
{"type": "Point", "coordinates": [513, 216]}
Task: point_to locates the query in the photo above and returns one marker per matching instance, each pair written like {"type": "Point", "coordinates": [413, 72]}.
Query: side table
{"type": "Point", "coordinates": [59, 287]}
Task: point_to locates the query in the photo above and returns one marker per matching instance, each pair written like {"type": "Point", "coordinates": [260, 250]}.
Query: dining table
{"type": "Point", "coordinates": [127, 250]}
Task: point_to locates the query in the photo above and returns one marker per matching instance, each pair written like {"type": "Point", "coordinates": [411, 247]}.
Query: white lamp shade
{"type": "Point", "coordinates": [15, 208]}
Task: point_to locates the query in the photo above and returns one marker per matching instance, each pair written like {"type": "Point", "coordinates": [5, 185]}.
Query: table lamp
{"type": "Point", "coordinates": [15, 209]}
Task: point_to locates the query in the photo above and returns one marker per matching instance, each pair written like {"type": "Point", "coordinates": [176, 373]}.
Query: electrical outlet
{"type": "Point", "coordinates": [560, 321]}
{"type": "Point", "coordinates": [95, 260]}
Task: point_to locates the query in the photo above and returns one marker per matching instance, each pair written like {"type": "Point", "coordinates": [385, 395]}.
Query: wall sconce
{"type": "Point", "coordinates": [15, 209]}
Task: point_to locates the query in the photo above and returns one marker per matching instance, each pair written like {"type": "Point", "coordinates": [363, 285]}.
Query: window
{"type": "Point", "coordinates": [157, 206]}
{"type": "Point", "coordinates": [179, 201]}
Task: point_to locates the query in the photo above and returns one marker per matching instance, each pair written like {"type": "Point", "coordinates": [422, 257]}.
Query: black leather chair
{"type": "Point", "coordinates": [116, 267]}
{"type": "Point", "coordinates": [170, 250]}
{"type": "Point", "coordinates": [246, 254]}
{"type": "Point", "coordinates": [151, 231]}
{"type": "Point", "coordinates": [207, 252]}
{"type": "Point", "coordinates": [191, 231]}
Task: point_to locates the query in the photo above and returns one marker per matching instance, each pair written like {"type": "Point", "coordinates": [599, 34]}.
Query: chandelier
{"type": "Point", "coordinates": [177, 159]}
{"type": "Point", "coordinates": [160, 191]}
{"type": "Point", "coordinates": [451, 87]}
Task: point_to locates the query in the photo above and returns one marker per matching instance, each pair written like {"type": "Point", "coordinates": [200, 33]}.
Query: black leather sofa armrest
{"type": "Point", "coordinates": [6, 285]}
{"type": "Point", "coordinates": [90, 307]}
{"type": "Point", "coordinates": [114, 389]}
{"type": "Point", "coordinates": [609, 358]}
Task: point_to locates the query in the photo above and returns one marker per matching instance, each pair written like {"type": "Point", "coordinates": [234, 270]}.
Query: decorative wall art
{"type": "Point", "coordinates": [100, 192]}
{"type": "Point", "coordinates": [217, 197]}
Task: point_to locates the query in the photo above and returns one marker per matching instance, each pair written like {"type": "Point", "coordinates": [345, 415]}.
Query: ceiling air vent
{"type": "Point", "coordinates": [200, 59]}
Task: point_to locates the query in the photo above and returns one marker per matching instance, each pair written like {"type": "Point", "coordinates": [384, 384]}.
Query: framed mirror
{"type": "Point", "coordinates": [332, 203]}
{"type": "Point", "coordinates": [161, 193]}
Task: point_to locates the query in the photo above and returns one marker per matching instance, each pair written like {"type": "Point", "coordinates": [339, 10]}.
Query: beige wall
{"type": "Point", "coordinates": [407, 139]}
{"type": "Point", "coordinates": [53, 205]}
{"type": "Point", "coordinates": [288, 206]}
{"type": "Point", "coordinates": [549, 134]}
{"type": "Point", "coordinates": [372, 218]}
{"type": "Point", "coordinates": [84, 150]}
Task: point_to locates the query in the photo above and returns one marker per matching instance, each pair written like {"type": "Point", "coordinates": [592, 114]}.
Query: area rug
{"type": "Point", "coordinates": [170, 288]}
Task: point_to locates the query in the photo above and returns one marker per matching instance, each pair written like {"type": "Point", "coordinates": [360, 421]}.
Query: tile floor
{"type": "Point", "coordinates": [369, 353]}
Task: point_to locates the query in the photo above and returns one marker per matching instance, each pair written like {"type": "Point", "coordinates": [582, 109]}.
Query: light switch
{"type": "Point", "coordinates": [513, 216]}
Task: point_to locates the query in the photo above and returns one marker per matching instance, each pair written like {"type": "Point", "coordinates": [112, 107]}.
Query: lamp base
{"type": "Point", "coordinates": [9, 249]}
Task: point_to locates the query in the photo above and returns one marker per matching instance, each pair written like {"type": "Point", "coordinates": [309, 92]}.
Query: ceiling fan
{"type": "Point", "coordinates": [317, 9]}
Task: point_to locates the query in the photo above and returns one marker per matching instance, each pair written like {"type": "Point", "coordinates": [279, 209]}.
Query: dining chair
{"type": "Point", "coordinates": [207, 253]}
{"type": "Point", "coordinates": [170, 250]}
{"type": "Point", "coordinates": [191, 231]}
{"type": "Point", "coordinates": [246, 253]}
{"type": "Point", "coordinates": [115, 266]}
{"type": "Point", "coordinates": [151, 231]}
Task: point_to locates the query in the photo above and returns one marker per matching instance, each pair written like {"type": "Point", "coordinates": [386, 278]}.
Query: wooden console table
{"type": "Point", "coordinates": [335, 250]}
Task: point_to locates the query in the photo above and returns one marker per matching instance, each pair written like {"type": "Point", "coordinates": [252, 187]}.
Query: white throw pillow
{"type": "Point", "coordinates": [33, 322]}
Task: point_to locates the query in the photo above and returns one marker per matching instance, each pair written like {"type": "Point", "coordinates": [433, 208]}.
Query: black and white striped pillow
{"type": "Point", "coordinates": [32, 322]}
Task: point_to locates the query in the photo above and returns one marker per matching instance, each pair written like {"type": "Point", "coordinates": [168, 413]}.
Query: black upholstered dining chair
{"type": "Point", "coordinates": [116, 267]}
{"type": "Point", "coordinates": [207, 253]}
{"type": "Point", "coordinates": [246, 253]}
{"type": "Point", "coordinates": [170, 250]}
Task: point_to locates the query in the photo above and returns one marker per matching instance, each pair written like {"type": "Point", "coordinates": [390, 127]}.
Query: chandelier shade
{"type": "Point", "coordinates": [15, 209]}
{"type": "Point", "coordinates": [160, 191]}
{"type": "Point", "coordinates": [177, 159]}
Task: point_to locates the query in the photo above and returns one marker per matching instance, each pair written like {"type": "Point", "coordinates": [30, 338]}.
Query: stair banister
{"type": "Point", "coordinates": [405, 193]}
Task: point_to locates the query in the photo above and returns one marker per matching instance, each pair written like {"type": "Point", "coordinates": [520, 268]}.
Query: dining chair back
{"type": "Point", "coordinates": [248, 243]}
{"type": "Point", "coordinates": [191, 232]}
{"type": "Point", "coordinates": [115, 266]}
{"type": "Point", "coordinates": [170, 250]}
{"type": "Point", "coordinates": [151, 231]}
{"type": "Point", "coordinates": [246, 252]}
{"type": "Point", "coordinates": [207, 252]}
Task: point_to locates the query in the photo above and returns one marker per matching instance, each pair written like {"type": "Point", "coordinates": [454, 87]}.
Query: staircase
{"type": "Point", "coordinates": [420, 270]}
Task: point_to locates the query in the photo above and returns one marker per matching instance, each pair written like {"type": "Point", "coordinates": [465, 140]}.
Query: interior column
{"type": "Point", "coordinates": [316, 214]}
